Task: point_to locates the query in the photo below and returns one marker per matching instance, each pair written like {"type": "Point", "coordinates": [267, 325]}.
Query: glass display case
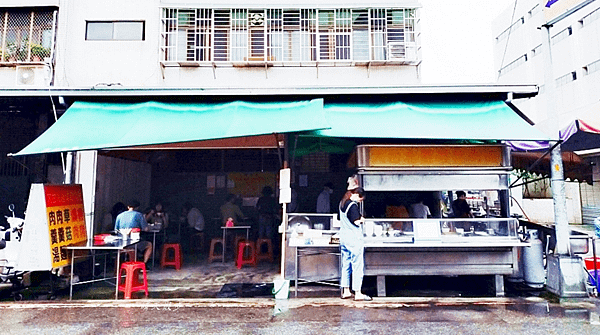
{"type": "Point", "coordinates": [406, 247]}
{"type": "Point", "coordinates": [440, 230]}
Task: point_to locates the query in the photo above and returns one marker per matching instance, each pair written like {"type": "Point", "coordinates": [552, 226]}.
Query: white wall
{"type": "Point", "coordinates": [573, 100]}
{"type": "Point", "coordinates": [542, 210]}
{"type": "Point", "coordinates": [571, 54]}
{"type": "Point", "coordinates": [82, 63]}
{"type": "Point", "coordinates": [29, 3]}
{"type": "Point", "coordinates": [120, 180]}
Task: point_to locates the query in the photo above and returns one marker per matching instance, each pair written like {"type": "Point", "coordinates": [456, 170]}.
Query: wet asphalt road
{"type": "Point", "coordinates": [302, 316]}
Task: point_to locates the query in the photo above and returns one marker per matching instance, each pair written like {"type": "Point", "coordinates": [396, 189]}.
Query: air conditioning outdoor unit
{"type": "Point", "coordinates": [31, 76]}
{"type": "Point", "coordinates": [401, 51]}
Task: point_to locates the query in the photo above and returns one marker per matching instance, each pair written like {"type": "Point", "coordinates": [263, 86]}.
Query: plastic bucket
{"type": "Point", "coordinates": [589, 263]}
{"type": "Point", "coordinates": [592, 277]}
{"type": "Point", "coordinates": [281, 288]}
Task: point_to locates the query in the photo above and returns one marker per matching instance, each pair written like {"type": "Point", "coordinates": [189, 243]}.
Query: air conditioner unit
{"type": "Point", "coordinates": [401, 51]}
{"type": "Point", "coordinates": [31, 76]}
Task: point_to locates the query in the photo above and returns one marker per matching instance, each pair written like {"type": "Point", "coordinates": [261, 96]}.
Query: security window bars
{"type": "Point", "coordinates": [26, 35]}
{"type": "Point", "coordinates": [279, 35]}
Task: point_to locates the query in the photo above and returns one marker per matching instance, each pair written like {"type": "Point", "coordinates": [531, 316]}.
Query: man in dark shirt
{"type": "Point", "coordinates": [460, 207]}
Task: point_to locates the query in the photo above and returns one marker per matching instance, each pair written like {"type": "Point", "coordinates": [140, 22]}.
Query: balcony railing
{"type": "Point", "coordinates": [26, 35]}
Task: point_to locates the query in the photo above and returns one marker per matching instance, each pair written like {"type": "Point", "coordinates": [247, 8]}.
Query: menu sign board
{"type": "Point", "coordinates": [66, 220]}
{"type": "Point", "coordinates": [55, 219]}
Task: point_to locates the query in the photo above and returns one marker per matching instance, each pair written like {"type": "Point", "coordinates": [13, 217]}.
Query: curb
{"type": "Point", "coordinates": [271, 303]}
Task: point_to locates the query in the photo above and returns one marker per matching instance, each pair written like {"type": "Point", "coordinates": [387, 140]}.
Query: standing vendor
{"type": "Point", "coordinates": [352, 243]}
{"type": "Point", "coordinates": [460, 207]}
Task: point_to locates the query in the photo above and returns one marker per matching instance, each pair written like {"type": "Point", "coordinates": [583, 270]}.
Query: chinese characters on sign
{"type": "Point", "coordinates": [66, 220]}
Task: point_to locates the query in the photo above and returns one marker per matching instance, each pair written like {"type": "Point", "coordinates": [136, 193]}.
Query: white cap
{"type": "Point", "coordinates": [352, 183]}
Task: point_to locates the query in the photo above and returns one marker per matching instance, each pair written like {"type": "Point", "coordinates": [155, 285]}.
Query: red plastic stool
{"type": "Point", "coordinates": [236, 242]}
{"type": "Point", "coordinates": [168, 261]}
{"type": "Point", "coordinates": [267, 255]}
{"type": "Point", "coordinates": [132, 281]}
{"type": "Point", "coordinates": [241, 258]}
{"type": "Point", "coordinates": [211, 254]}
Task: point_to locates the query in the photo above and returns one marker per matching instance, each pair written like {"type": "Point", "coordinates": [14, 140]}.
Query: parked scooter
{"type": "Point", "coordinates": [10, 239]}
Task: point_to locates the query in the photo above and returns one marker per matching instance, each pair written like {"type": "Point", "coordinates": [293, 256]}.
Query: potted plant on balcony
{"type": "Point", "coordinates": [38, 52]}
{"type": "Point", "coordinates": [11, 52]}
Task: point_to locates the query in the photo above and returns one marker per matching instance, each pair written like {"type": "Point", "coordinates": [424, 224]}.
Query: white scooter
{"type": "Point", "coordinates": [10, 243]}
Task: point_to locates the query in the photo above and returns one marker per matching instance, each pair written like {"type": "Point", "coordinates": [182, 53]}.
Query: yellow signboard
{"type": "Point", "coordinates": [430, 156]}
{"type": "Point", "coordinates": [66, 220]}
{"type": "Point", "coordinates": [55, 219]}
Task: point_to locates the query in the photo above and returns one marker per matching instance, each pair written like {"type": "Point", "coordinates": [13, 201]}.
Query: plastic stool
{"type": "Point", "coordinates": [132, 282]}
{"type": "Point", "coordinates": [236, 242]}
{"type": "Point", "coordinates": [167, 261]}
{"type": "Point", "coordinates": [211, 254]}
{"type": "Point", "coordinates": [251, 259]}
{"type": "Point", "coordinates": [197, 241]}
{"type": "Point", "coordinates": [264, 256]}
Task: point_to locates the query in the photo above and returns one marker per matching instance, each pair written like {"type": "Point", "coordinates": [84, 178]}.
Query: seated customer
{"type": "Point", "coordinates": [194, 218]}
{"type": "Point", "coordinates": [419, 210]}
{"type": "Point", "coordinates": [230, 210]}
{"type": "Point", "coordinates": [158, 216]}
{"type": "Point", "coordinates": [133, 219]}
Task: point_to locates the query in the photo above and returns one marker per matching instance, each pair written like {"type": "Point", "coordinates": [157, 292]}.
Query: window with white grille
{"type": "Point", "coordinates": [279, 35]}
{"type": "Point", "coordinates": [26, 35]}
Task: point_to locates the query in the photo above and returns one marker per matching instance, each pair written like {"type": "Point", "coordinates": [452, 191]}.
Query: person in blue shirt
{"type": "Point", "coordinates": [130, 219]}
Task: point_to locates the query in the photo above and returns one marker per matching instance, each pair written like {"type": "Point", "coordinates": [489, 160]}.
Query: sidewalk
{"type": "Point", "coordinates": [196, 279]}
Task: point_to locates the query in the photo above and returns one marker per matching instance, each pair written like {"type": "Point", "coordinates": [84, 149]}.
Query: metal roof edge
{"type": "Point", "coordinates": [518, 91]}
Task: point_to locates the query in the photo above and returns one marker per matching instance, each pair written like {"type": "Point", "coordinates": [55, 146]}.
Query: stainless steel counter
{"type": "Point", "coordinates": [492, 250]}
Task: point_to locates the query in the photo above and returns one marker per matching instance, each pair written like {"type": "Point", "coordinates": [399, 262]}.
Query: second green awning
{"type": "Point", "coordinates": [91, 126]}
{"type": "Point", "coordinates": [460, 120]}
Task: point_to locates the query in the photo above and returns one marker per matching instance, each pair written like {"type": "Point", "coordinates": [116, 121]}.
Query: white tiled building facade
{"type": "Point", "coordinates": [217, 44]}
{"type": "Point", "coordinates": [575, 47]}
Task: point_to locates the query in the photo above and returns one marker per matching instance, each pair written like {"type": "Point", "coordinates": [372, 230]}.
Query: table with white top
{"type": "Point", "coordinates": [117, 245]}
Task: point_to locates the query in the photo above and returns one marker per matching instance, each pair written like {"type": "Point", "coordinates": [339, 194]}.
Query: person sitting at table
{"type": "Point", "coordinates": [133, 219]}
{"type": "Point", "coordinates": [158, 216]}
{"type": "Point", "coordinates": [230, 210]}
{"type": "Point", "coordinates": [419, 210]}
{"type": "Point", "coordinates": [193, 217]}
{"type": "Point", "coordinates": [195, 222]}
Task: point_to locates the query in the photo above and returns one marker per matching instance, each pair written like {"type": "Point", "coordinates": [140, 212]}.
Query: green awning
{"type": "Point", "coordinates": [461, 120]}
{"type": "Point", "coordinates": [92, 126]}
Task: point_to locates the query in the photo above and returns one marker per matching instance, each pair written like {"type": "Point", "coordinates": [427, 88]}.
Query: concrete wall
{"type": "Point", "coordinates": [81, 63]}
{"type": "Point", "coordinates": [542, 210]}
{"type": "Point", "coordinates": [119, 180]}
{"type": "Point", "coordinates": [571, 54]}
{"type": "Point", "coordinates": [578, 98]}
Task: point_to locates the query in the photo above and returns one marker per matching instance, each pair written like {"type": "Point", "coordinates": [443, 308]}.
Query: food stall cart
{"type": "Point", "coordinates": [412, 247]}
